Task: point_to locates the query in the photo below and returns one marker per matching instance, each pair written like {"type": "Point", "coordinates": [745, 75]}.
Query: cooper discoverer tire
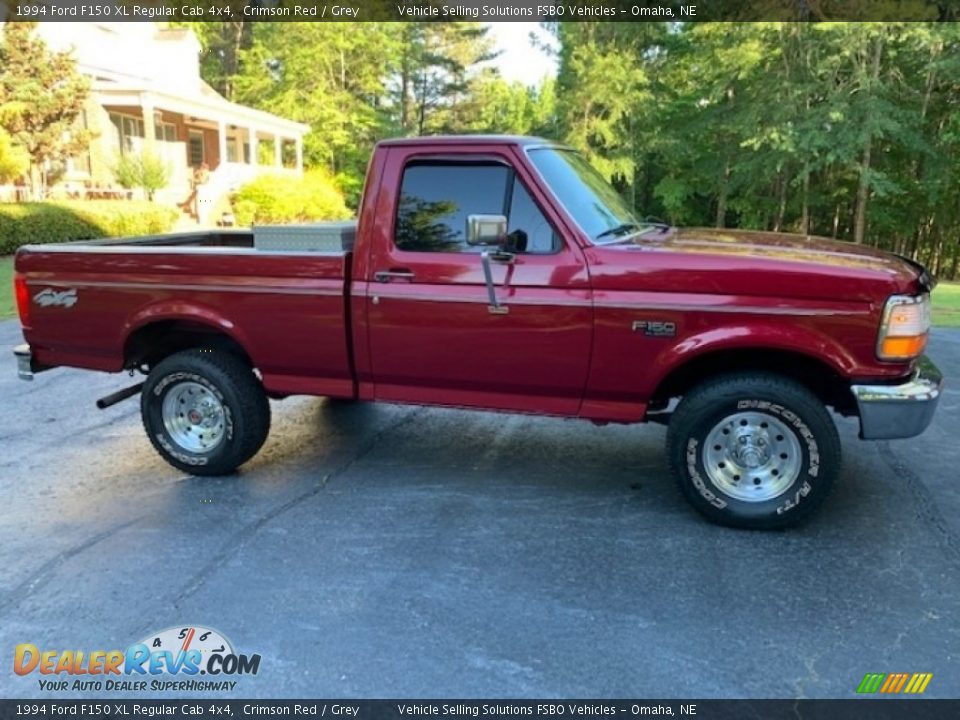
{"type": "Point", "coordinates": [753, 450]}
{"type": "Point", "coordinates": [205, 411]}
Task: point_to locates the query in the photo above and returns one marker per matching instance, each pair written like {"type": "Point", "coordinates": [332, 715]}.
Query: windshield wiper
{"type": "Point", "coordinates": [618, 230]}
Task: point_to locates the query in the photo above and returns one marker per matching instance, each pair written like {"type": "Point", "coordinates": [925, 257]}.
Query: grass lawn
{"type": "Point", "coordinates": [946, 304]}
{"type": "Point", "coordinates": [8, 307]}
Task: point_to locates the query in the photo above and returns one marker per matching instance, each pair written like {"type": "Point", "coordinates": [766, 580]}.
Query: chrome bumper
{"type": "Point", "coordinates": [899, 411]}
{"type": "Point", "coordinates": [24, 362]}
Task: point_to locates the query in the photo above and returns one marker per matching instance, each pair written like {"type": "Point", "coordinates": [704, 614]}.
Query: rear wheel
{"type": "Point", "coordinates": [205, 411]}
{"type": "Point", "coordinates": [753, 450]}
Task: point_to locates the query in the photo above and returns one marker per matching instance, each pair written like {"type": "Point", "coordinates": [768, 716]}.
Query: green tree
{"type": "Point", "coordinates": [41, 96]}
{"type": "Point", "coordinates": [145, 171]}
{"type": "Point", "coordinates": [435, 67]}
{"type": "Point", "coordinates": [14, 161]}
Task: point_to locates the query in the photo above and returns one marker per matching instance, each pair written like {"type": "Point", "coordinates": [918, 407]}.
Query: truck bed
{"type": "Point", "coordinates": [104, 299]}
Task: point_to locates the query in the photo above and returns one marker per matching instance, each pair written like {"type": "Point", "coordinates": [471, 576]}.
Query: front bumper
{"type": "Point", "coordinates": [899, 411]}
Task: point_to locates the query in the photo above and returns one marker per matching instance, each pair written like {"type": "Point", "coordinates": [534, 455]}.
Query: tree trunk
{"type": "Point", "coordinates": [722, 196]}
{"type": "Point", "coordinates": [781, 202]}
{"type": "Point", "coordinates": [805, 202]}
{"type": "Point", "coordinates": [863, 186]}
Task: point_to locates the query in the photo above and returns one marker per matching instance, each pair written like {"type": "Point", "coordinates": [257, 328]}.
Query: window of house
{"type": "Point", "coordinates": [166, 132]}
{"type": "Point", "coordinates": [129, 131]}
{"type": "Point", "coordinates": [195, 148]}
{"type": "Point", "coordinates": [436, 197]}
{"type": "Point", "coordinates": [233, 155]}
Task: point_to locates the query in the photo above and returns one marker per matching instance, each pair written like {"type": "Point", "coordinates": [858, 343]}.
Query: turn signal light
{"type": "Point", "coordinates": [904, 327]}
{"type": "Point", "coordinates": [905, 347]}
{"type": "Point", "coordinates": [23, 298]}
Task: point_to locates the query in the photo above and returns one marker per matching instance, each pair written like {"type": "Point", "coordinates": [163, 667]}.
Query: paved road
{"type": "Point", "coordinates": [378, 551]}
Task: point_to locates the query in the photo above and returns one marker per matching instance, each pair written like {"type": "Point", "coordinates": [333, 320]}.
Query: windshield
{"type": "Point", "coordinates": [595, 206]}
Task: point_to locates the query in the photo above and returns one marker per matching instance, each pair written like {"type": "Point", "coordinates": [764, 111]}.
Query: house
{"type": "Point", "coordinates": [147, 95]}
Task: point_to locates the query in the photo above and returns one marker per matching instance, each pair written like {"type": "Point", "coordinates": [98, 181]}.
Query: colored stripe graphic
{"type": "Point", "coordinates": [871, 682]}
{"type": "Point", "coordinates": [894, 683]}
{"type": "Point", "coordinates": [918, 683]}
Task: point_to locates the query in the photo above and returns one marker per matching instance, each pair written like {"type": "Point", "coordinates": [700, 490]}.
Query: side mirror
{"type": "Point", "coordinates": [486, 230]}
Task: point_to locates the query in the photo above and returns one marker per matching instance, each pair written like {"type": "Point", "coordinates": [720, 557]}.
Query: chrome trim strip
{"type": "Point", "coordinates": [122, 249]}
{"type": "Point", "coordinates": [600, 304]}
{"type": "Point", "coordinates": [265, 290]}
{"type": "Point", "coordinates": [514, 300]}
{"type": "Point", "coordinates": [731, 309]}
{"type": "Point", "coordinates": [481, 298]}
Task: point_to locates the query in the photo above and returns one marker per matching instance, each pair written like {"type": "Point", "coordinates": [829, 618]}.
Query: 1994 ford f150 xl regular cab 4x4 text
{"type": "Point", "coordinates": [504, 273]}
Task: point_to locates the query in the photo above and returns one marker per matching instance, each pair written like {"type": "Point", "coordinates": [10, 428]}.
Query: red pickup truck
{"type": "Point", "coordinates": [504, 273]}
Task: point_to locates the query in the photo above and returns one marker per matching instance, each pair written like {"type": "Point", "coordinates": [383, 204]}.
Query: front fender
{"type": "Point", "coordinates": [760, 335]}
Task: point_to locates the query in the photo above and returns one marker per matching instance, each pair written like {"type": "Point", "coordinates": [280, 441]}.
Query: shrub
{"type": "Point", "coordinates": [49, 222]}
{"type": "Point", "coordinates": [279, 199]}
{"type": "Point", "coordinates": [14, 160]}
{"type": "Point", "coordinates": [145, 171]}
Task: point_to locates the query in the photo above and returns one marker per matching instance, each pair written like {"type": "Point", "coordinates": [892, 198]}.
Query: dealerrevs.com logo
{"type": "Point", "coordinates": [172, 660]}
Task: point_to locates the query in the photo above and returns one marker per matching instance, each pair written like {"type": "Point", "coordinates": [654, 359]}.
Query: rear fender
{"type": "Point", "coordinates": [177, 310]}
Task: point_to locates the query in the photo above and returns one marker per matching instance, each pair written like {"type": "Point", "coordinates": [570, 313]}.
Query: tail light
{"type": "Point", "coordinates": [23, 298]}
{"type": "Point", "coordinates": [904, 327]}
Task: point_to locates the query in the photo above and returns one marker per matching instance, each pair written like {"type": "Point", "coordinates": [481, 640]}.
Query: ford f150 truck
{"type": "Point", "coordinates": [504, 273]}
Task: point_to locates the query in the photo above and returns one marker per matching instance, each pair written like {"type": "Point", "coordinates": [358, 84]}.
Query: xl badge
{"type": "Point", "coordinates": [52, 298]}
{"type": "Point", "coordinates": [655, 328]}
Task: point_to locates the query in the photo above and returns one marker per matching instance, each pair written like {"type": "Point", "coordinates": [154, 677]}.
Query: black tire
{"type": "Point", "coordinates": [237, 407]}
{"type": "Point", "coordinates": [747, 420]}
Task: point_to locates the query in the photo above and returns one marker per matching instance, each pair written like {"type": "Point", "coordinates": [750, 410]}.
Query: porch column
{"type": "Point", "coordinates": [149, 125]}
{"type": "Point", "coordinates": [222, 141]}
{"type": "Point", "coordinates": [252, 140]}
{"type": "Point", "coordinates": [299, 153]}
{"type": "Point", "coordinates": [277, 152]}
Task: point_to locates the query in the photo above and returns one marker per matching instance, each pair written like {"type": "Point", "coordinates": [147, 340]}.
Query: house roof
{"type": "Point", "coordinates": [145, 63]}
{"type": "Point", "coordinates": [201, 101]}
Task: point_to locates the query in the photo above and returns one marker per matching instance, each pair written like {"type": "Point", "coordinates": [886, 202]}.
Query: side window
{"type": "Point", "coordinates": [436, 198]}
{"type": "Point", "coordinates": [525, 218]}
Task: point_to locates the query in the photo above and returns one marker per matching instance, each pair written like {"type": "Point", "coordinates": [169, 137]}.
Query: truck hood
{"type": "Point", "coordinates": [786, 247]}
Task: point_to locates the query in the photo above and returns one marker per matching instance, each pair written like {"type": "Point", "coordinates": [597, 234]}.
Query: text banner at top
{"type": "Point", "coordinates": [482, 10]}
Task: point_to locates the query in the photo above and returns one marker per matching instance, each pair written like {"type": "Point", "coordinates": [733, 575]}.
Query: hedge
{"type": "Point", "coordinates": [49, 222]}
{"type": "Point", "coordinates": [280, 199]}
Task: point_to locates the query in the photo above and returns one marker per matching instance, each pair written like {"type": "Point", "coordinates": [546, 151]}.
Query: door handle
{"type": "Point", "coordinates": [386, 276]}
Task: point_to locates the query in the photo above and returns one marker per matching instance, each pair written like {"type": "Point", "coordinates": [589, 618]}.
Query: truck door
{"type": "Point", "coordinates": [434, 335]}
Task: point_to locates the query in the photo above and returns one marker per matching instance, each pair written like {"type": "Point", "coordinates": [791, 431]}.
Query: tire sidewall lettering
{"type": "Point", "coordinates": [693, 470]}
{"type": "Point", "coordinates": [800, 489]}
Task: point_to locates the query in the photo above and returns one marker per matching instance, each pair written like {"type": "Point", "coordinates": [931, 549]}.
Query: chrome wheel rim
{"type": "Point", "coordinates": [752, 456]}
{"type": "Point", "coordinates": [193, 417]}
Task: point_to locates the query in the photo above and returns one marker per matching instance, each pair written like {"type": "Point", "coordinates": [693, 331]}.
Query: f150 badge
{"type": "Point", "coordinates": [655, 328]}
{"type": "Point", "coordinates": [52, 298]}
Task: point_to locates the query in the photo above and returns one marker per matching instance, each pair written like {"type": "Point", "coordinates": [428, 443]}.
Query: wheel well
{"type": "Point", "coordinates": [152, 343]}
{"type": "Point", "coordinates": [817, 376]}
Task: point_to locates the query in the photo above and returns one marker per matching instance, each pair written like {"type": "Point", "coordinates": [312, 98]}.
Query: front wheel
{"type": "Point", "coordinates": [754, 451]}
{"type": "Point", "coordinates": [205, 411]}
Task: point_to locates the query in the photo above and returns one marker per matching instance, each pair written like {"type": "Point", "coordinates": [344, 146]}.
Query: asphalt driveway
{"type": "Point", "coordinates": [381, 551]}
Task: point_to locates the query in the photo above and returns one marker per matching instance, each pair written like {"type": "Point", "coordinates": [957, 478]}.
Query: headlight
{"type": "Point", "coordinates": [904, 327]}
